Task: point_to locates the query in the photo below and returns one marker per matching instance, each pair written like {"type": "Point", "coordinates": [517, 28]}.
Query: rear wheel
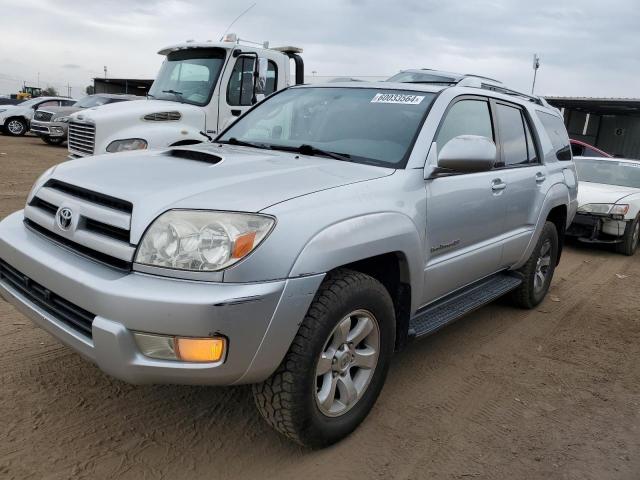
{"type": "Point", "coordinates": [631, 238]}
{"type": "Point", "coordinates": [336, 366]}
{"type": "Point", "coordinates": [538, 271]}
{"type": "Point", "coordinates": [15, 127]}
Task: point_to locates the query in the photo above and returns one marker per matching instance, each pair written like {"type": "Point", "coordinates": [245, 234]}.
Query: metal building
{"type": "Point", "coordinates": [611, 124]}
{"type": "Point", "coordinates": [122, 85]}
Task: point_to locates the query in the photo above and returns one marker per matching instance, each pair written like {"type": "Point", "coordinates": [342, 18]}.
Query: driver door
{"type": "Point", "coordinates": [465, 212]}
{"type": "Point", "coordinates": [236, 97]}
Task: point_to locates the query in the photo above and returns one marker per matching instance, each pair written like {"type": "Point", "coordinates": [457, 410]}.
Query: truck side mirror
{"type": "Point", "coordinates": [260, 79]}
{"type": "Point", "coordinates": [467, 154]}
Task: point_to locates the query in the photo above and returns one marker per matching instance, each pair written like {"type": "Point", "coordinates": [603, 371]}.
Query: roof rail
{"type": "Point", "coordinates": [474, 81]}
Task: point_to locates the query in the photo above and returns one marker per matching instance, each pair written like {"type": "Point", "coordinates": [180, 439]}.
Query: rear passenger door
{"type": "Point", "coordinates": [524, 174]}
{"type": "Point", "coordinates": [465, 212]}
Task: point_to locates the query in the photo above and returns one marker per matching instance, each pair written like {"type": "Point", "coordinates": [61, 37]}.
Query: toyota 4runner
{"type": "Point", "coordinates": [310, 241]}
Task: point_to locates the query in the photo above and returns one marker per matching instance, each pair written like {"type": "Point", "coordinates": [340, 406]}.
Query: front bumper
{"type": "Point", "coordinates": [49, 129]}
{"type": "Point", "coordinates": [259, 319]}
{"type": "Point", "coordinates": [597, 228]}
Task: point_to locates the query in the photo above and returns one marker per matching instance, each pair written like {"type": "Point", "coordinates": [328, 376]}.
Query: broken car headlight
{"type": "Point", "coordinates": [604, 209]}
{"type": "Point", "coordinates": [201, 240]}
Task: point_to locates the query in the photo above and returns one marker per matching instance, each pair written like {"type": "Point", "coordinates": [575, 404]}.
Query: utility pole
{"type": "Point", "coordinates": [536, 66]}
{"type": "Point", "coordinates": [38, 85]}
{"type": "Point", "coordinates": [68, 90]}
{"type": "Point", "coordinates": [105, 72]}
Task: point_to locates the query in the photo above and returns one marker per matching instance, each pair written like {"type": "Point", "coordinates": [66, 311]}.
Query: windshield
{"type": "Point", "coordinates": [610, 172]}
{"type": "Point", "coordinates": [95, 101]}
{"type": "Point", "coordinates": [364, 125]}
{"type": "Point", "coordinates": [189, 76]}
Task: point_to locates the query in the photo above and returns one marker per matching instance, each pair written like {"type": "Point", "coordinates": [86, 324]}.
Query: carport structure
{"type": "Point", "coordinates": [611, 124]}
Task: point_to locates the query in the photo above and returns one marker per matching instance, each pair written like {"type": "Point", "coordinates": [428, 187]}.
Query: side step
{"type": "Point", "coordinates": [433, 317]}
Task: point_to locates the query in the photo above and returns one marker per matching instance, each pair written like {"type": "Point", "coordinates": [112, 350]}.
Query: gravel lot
{"type": "Point", "coordinates": [504, 393]}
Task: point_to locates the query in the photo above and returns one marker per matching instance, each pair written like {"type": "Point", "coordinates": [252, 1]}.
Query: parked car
{"type": "Point", "coordinates": [15, 119]}
{"type": "Point", "coordinates": [51, 124]}
{"type": "Point", "coordinates": [319, 233]}
{"type": "Point", "coordinates": [582, 149]}
{"type": "Point", "coordinates": [608, 203]}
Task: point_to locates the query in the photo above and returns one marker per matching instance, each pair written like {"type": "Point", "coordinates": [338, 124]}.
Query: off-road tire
{"type": "Point", "coordinates": [525, 296]}
{"type": "Point", "coordinates": [7, 131]}
{"type": "Point", "coordinates": [629, 243]}
{"type": "Point", "coordinates": [53, 140]}
{"type": "Point", "coordinates": [287, 400]}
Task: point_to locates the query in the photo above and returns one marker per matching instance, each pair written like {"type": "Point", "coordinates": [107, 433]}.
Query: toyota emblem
{"type": "Point", "coordinates": [64, 218]}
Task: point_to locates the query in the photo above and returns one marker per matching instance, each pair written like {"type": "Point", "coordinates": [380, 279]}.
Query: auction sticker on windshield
{"type": "Point", "coordinates": [397, 98]}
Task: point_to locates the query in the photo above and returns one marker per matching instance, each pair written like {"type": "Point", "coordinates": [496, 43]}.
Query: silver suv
{"type": "Point", "coordinates": [310, 241]}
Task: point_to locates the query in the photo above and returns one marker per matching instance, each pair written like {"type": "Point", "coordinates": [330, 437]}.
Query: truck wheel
{"type": "Point", "coordinates": [336, 366]}
{"type": "Point", "coordinates": [15, 127]}
{"type": "Point", "coordinates": [538, 271]}
{"type": "Point", "coordinates": [631, 238]}
{"type": "Point", "coordinates": [53, 140]}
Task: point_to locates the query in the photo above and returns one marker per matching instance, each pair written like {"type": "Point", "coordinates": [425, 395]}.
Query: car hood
{"type": "Point", "coordinates": [603, 193]}
{"type": "Point", "coordinates": [134, 109]}
{"type": "Point", "coordinates": [225, 178]}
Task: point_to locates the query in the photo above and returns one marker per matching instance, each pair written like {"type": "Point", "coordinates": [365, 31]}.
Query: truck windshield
{"type": "Point", "coordinates": [365, 125]}
{"type": "Point", "coordinates": [189, 76]}
{"type": "Point", "coordinates": [610, 172]}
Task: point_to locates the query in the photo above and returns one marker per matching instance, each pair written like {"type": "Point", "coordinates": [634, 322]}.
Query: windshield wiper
{"type": "Point", "coordinates": [173, 92]}
{"type": "Point", "coordinates": [149, 95]}
{"type": "Point", "coordinates": [306, 149]}
{"type": "Point", "coordinates": [242, 143]}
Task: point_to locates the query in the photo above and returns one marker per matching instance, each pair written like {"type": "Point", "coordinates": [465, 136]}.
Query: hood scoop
{"type": "Point", "coordinates": [197, 155]}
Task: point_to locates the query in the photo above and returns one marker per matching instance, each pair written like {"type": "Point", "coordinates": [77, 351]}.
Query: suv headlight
{"type": "Point", "coordinates": [604, 209]}
{"type": "Point", "coordinates": [201, 240]}
{"type": "Point", "coordinates": [127, 145]}
{"type": "Point", "coordinates": [65, 119]}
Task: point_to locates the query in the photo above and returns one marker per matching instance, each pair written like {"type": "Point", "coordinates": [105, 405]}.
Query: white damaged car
{"type": "Point", "coordinates": [608, 202]}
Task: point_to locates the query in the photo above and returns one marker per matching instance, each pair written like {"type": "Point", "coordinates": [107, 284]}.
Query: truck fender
{"type": "Point", "coordinates": [557, 195]}
{"type": "Point", "coordinates": [364, 237]}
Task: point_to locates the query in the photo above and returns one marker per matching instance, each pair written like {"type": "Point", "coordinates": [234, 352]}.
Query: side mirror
{"type": "Point", "coordinates": [468, 153]}
{"type": "Point", "coordinates": [260, 79]}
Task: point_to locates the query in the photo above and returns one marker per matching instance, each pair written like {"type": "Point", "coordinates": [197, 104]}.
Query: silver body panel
{"type": "Point", "coordinates": [449, 232]}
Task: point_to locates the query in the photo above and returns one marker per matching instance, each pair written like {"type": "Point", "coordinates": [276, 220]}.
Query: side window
{"type": "Point", "coordinates": [466, 117]}
{"type": "Point", "coordinates": [240, 88]}
{"type": "Point", "coordinates": [590, 152]}
{"type": "Point", "coordinates": [512, 136]}
{"type": "Point", "coordinates": [557, 132]}
{"type": "Point", "coordinates": [531, 144]}
{"type": "Point", "coordinates": [48, 103]}
{"type": "Point", "coordinates": [67, 103]}
{"type": "Point", "coordinates": [577, 150]}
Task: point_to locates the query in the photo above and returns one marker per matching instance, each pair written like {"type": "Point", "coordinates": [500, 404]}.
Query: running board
{"type": "Point", "coordinates": [433, 317]}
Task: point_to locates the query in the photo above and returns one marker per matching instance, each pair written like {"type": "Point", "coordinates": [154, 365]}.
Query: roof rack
{"type": "Point", "coordinates": [475, 81]}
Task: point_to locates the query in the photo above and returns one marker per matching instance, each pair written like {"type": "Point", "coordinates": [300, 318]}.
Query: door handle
{"type": "Point", "coordinates": [540, 177]}
{"type": "Point", "coordinates": [236, 113]}
{"type": "Point", "coordinates": [498, 185]}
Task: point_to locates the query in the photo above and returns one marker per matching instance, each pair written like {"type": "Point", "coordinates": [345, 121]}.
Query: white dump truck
{"type": "Point", "coordinates": [201, 88]}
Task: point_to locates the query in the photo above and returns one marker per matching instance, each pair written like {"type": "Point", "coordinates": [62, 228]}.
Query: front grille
{"type": "Point", "coordinates": [99, 228]}
{"type": "Point", "coordinates": [61, 309]}
{"type": "Point", "coordinates": [82, 138]}
{"type": "Point", "coordinates": [42, 116]}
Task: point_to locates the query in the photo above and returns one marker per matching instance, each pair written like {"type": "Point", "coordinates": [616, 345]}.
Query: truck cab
{"type": "Point", "coordinates": [200, 90]}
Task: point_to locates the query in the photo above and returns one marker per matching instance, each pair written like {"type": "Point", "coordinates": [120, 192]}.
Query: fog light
{"type": "Point", "coordinates": [186, 349]}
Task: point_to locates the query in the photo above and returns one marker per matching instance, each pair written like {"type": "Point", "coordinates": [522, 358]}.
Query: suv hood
{"type": "Point", "coordinates": [244, 179]}
{"type": "Point", "coordinates": [135, 109]}
{"type": "Point", "coordinates": [602, 193]}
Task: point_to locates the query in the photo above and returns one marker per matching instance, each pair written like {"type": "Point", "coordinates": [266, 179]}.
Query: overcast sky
{"type": "Point", "coordinates": [587, 47]}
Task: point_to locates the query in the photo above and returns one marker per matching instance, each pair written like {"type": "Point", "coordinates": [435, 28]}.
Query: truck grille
{"type": "Point", "coordinates": [42, 116]}
{"type": "Point", "coordinates": [100, 228]}
{"type": "Point", "coordinates": [63, 310]}
{"type": "Point", "coordinates": [82, 138]}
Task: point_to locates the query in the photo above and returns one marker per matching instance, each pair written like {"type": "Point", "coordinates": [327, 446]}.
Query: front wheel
{"type": "Point", "coordinates": [538, 272]}
{"type": "Point", "coordinates": [631, 238]}
{"type": "Point", "coordinates": [337, 364]}
{"type": "Point", "coordinates": [15, 127]}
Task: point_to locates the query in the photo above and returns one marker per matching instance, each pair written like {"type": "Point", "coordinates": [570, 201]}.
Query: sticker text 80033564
{"type": "Point", "coordinates": [397, 98]}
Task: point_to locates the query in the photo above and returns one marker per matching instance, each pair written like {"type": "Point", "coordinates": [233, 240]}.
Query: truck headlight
{"type": "Point", "coordinates": [201, 240]}
{"type": "Point", "coordinates": [604, 209]}
{"type": "Point", "coordinates": [127, 145]}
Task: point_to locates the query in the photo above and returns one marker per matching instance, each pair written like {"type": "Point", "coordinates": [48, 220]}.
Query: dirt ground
{"type": "Point", "coordinates": [552, 393]}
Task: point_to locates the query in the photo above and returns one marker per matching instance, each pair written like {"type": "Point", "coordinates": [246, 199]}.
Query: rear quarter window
{"type": "Point", "coordinates": [557, 133]}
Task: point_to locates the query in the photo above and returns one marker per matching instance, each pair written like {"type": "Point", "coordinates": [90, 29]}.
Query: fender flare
{"type": "Point", "coordinates": [363, 237]}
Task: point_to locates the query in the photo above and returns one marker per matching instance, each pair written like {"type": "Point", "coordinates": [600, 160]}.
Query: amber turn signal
{"type": "Point", "coordinates": [200, 349]}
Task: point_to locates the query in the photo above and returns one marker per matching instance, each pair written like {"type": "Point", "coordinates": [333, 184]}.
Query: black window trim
{"type": "Point", "coordinates": [243, 58]}
{"type": "Point", "coordinates": [526, 117]}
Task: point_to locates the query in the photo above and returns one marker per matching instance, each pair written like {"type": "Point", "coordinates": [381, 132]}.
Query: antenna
{"type": "Point", "coordinates": [236, 19]}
